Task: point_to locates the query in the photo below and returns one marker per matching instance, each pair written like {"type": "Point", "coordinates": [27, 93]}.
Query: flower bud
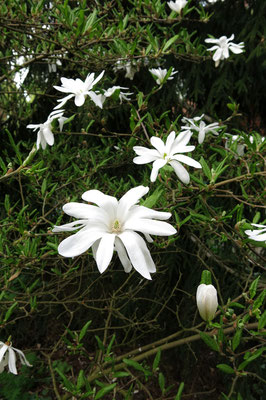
{"type": "Point", "coordinates": [207, 301]}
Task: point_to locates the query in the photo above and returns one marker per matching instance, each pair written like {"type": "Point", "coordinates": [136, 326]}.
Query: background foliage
{"type": "Point", "coordinates": [90, 335]}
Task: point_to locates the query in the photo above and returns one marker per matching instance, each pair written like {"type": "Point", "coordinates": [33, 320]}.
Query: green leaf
{"type": "Point", "coordinates": [84, 330]}
{"type": "Point", "coordinates": [134, 364]}
{"type": "Point", "coordinates": [152, 200]}
{"type": "Point", "coordinates": [259, 300]}
{"type": "Point", "coordinates": [253, 287]}
{"type": "Point", "coordinates": [262, 321]}
{"type": "Point", "coordinates": [209, 341]}
{"type": "Point", "coordinates": [161, 380]}
{"type": "Point", "coordinates": [156, 360]}
{"type": "Point", "coordinates": [255, 355]}
{"type": "Point", "coordinates": [225, 368]}
{"type": "Point", "coordinates": [180, 390]}
{"type": "Point", "coordinates": [10, 310]}
{"type": "Point", "coordinates": [236, 339]}
{"type": "Point", "coordinates": [108, 351]}
{"type": "Point", "coordinates": [100, 343]}
{"type": "Point", "coordinates": [170, 42]}
{"type": "Point", "coordinates": [206, 168]}
{"type": "Point", "coordinates": [104, 391]}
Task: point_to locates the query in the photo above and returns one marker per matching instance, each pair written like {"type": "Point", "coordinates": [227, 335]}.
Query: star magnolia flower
{"type": "Point", "coordinates": [177, 5]}
{"type": "Point", "coordinates": [8, 357]}
{"type": "Point", "coordinates": [111, 225]}
{"type": "Point", "coordinates": [207, 301]}
{"type": "Point", "coordinates": [258, 235]}
{"type": "Point", "coordinates": [160, 74]}
{"type": "Point", "coordinates": [222, 47]}
{"type": "Point", "coordinates": [109, 92]}
{"type": "Point", "coordinates": [129, 66]}
{"type": "Point", "coordinates": [45, 135]}
{"type": "Point", "coordinates": [79, 90]}
{"type": "Point", "coordinates": [202, 128]}
{"type": "Point", "coordinates": [168, 154]}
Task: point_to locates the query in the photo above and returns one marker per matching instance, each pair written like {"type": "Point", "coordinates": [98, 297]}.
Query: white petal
{"type": "Point", "coordinates": [158, 144]}
{"type": "Point", "coordinates": [155, 168]}
{"type": "Point", "coordinates": [97, 99]}
{"type": "Point", "coordinates": [109, 203]}
{"type": "Point", "coordinates": [80, 210]}
{"type": "Point", "coordinates": [180, 171]}
{"type": "Point", "coordinates": [48, 135]}
{"type": "Point", "coordinates": [129, 199]}
{"type": "Point", "coordinates": [144, 159]}
{"type": "Point", "coordinates": [169, 141]}
{"type": "Point", "coordinates": [259, 225]}
{"type": "Point", "coordinates": [150, 226]}
{"type": "Point", "coordinates": [3, 350]}
{"type": "Point", "coordinates": [22, 357]}
{"type": "Point", "coordinates": [236, 49]}
{"type": "Point", "coordinates": [38, 142]}
{"type": "Point", "coordinates": [42, 140]}
{"type": "Point", "coordinates": [217, 55]}
{"type": "Point", "coordinates": [122, 254]}
{"type": "Point", "coordinates": [72, 226]}
{"type": "Point", "coordinates": [63, 101]}
{"type": "Point", "coordinates": [98, 78]}
{"type": "Point", "coordinates": [79, 99]}
{"type": "Point", "coordinates": [79, 242]}
{"type": "Point", "coordinates": [138, 253]}
{"type": "Point", "coordinates": [187, 160]}
{"type": "Point", "coordinates": [145, 212]}
{"type": "Point", "coordinates": [105, 251]}
{"type": "Point", "coordinates": [12, 361]}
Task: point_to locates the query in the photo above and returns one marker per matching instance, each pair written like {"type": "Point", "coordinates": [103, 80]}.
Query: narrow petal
{"type": "Point", "coordinates": [63, 101]}
{"type": "Point", "coordinates": [79, 242]}
{"type": "Point", "coordinates": [236, 49]}
{"type": "Point", "coordinates": [187, 160]}
{"type": "Point", "coordinates": [105, 251]}
{"type": "Point", "coordinates": [96, 98]}
{"type": "Point", "coordinates": [180, 171]}
{"type": "Point", "coordinates": [129, 199]}
{"type": "Point", "coordinates": [3, 350]}
{"type": "Point", "coordinates": [72, 226]}
{"type": "Point", "coordinates": [138, 253]}
{"type": "Point", "coordinates": [145, 212]}
{"type": "Point", "coordinates": [145, 159]}
{"type": "Point", "coordinates": [150, 226]}
{"type": "Point", "coordinates": [169, 141]}
{"type": "Point", "coordinates": [158, 144]}
{"type": "Point", "coordinates": [217, 55]}
{"type": "Point", "coordinates": [38, 142]}
{"type": "Point", "coordinates": [79, 99]}
{"type": "Point", "coordinates": [22, 357]}
{"type": "Point", "coordinates": [155, 168]}
{"type": "Point", "coordinates": [99, 198]}
{"type": "Point", "coordinates": [42, 140]}
{"type": "Point", "coordinates": [98, 78]}
{"type": "Point", "coordinates": [12, 361]}
{"type": "Point", "coordinates": [122, 254]}
{"type": "Point", "coordinates": [80, 210]}
{"type": "Point", "coordinates": [48, 135]}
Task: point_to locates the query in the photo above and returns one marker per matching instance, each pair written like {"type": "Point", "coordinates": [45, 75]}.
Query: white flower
{"type": "Point", "coordinates": [79, 90]}
{"type": "Point", "coordinates": [130, 67]}
{"type": "Point", "coordinates": [111, 225]}
{"type": "Point", "coordinates": [45, 135]}
{"type": "Point", "coordinates": [258, 235]}
{"type": "Point", "coordinates": [240, 149]}
{"type": "Point", "coordinates": [177, 5]}
{"type": "Point", "coordinates": [202, 128]}
{"type": "Point", "coordinates": [8, 357]}
{"type": "Point", "coordinates": [222, 47]}
{"type": "Point", "coordinates": [109, 92]}
{"type": "Point", "coordinates": [168, 153]}
{"type": "Point", "coordinates": [207, 301]}
{"type": "Point", "coordinates": [160, 74]}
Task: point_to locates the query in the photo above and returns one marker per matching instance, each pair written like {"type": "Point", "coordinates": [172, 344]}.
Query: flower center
{"type": "Point", "coordinates": [116, 227]}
